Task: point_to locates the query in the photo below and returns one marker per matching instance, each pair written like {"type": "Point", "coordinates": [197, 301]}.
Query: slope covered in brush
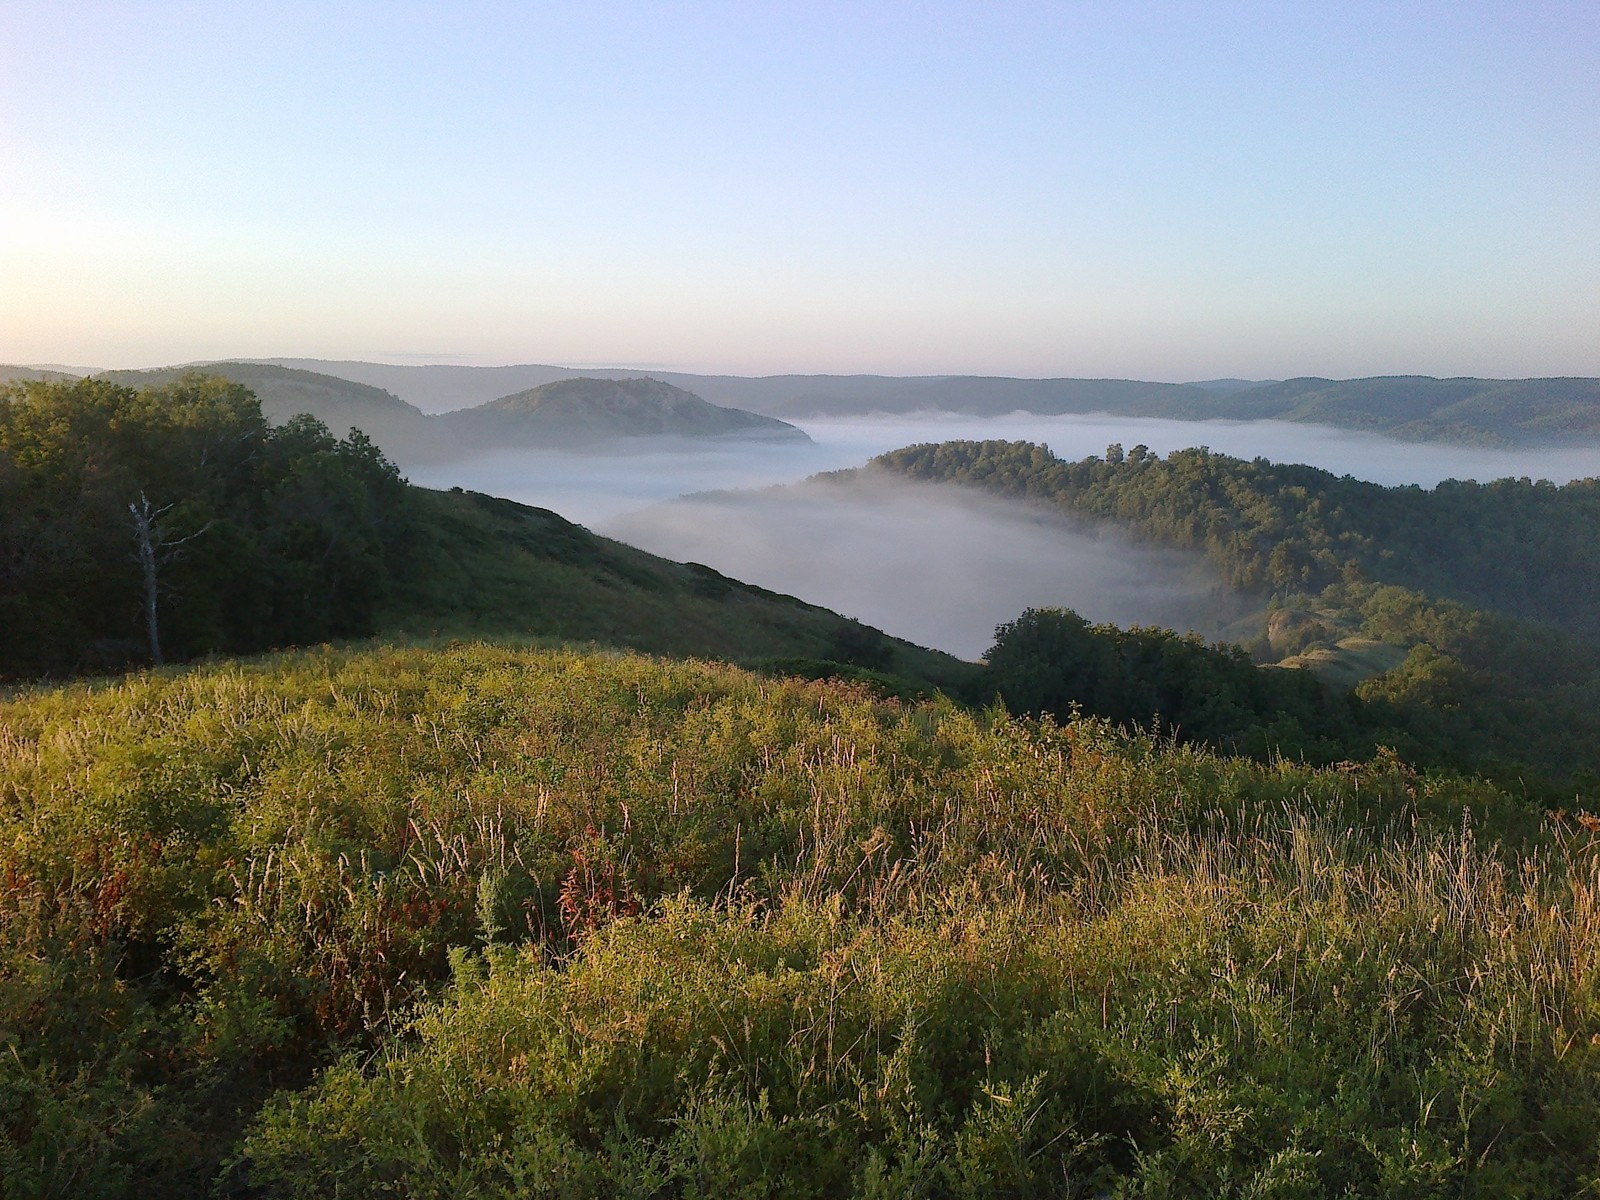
{"type": "Point", "coordinates": [483, 922]}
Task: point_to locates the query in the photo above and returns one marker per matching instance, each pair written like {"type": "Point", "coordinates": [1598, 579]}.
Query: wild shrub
{"type": "Point", "coordinates": [509, 921]}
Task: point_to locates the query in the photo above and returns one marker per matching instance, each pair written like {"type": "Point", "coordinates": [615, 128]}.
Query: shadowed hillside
{"type": "Point", "coordinates": [257, 535]}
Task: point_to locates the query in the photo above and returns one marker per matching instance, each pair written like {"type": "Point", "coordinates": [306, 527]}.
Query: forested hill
{"type": "Point", "coordinates": [1412, 407]}
{"type": "Point", "coordinates": [1527, 549]}
{"type": "Point", "coordinates": [1421, 408]}
{"type": "Point", "coordinates": [588, 412]}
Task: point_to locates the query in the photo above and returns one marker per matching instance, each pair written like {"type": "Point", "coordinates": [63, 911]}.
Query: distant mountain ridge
{"type": "Point", "coordinates": [1411, 407]}
{"type": "Point", "coordinates": [1420, 407]}
{"type": "Point", "coordinates": [574, 412]}
{"type": "Point", "coordinates": [405, 432]}
{"type": "Point", "coordinates": [398, 406]}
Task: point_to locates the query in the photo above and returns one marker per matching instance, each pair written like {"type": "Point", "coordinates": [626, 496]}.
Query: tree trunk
{"type": "Point", "coordinates": [146, 534]}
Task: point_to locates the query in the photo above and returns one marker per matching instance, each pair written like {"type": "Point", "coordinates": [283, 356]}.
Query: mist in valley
{"type": "Point", "coordinates": [941, 566]}
{"type": "Point", "coordinates": [593, 487]}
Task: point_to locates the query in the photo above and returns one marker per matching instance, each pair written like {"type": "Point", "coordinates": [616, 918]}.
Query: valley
{"type": "Point", "coordinates": [635, 601]}
{"type": "Point", "coordinates": [472, 846]}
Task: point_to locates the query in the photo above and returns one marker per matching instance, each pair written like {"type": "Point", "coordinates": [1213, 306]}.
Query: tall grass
{"type": "Point", "coordinates": [487, 921]}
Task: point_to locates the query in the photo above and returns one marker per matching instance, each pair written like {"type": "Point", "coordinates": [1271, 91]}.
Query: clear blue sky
{"type": "Point", "coordinates": [1164, 191]}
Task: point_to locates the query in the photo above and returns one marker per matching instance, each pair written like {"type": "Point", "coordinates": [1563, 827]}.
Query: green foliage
{"type": "Point", "coordinates": [272, 535]}
{"type": "Point", "coordinates": [1528, 550]}
{"type": "Point", "coordinates": [1053, 661]}
{"type": "Point", "coordinates": [1489, 586]}
{"type": "Point", "coordinates": [484, 921]}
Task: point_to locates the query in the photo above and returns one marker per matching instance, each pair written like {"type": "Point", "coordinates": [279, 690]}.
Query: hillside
{"type": "Point", "coordinates": [483, 566]}
{"type": "Point", "coordinates": [13, 374]}
{"type": "Point", "coordinates": [572, 413]}
{"type": "Point", "coordinates": [1526, 549]}
{"type": "Point", "coordinates": [443, 387]}
{"type": "Point", "coordinates": [484, 922]}
{"type": "Point", "coordinates": [1418, 407]}
{"type": "Point", "coordinates": [1487, 591]}
{"type": "Point", "coordinates": [588, 412]}
{"type": "Point", "coordinates": [490, 919]}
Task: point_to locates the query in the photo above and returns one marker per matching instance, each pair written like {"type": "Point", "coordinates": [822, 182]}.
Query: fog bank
{"type": "Point", "coordinates": [936, 565]}
{"type": "Point", "coordinates": [595, 487]}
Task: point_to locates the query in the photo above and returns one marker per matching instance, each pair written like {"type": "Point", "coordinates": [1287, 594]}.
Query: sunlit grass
{"type": "Point", "coordinates": [497, 920]}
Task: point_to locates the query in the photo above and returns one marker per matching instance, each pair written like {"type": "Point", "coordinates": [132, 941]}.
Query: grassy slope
{"type": "Point", "coordinates": [492, 567]}
{"type": "Point", "coordinates": [684, 931]}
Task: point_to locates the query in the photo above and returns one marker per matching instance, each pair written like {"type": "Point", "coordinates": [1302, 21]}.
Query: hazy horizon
{"type": "Point", "coordinates": [485, 362]}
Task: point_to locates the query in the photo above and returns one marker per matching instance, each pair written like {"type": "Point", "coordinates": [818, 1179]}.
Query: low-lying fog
{"type": "Point", "coordinates": [591, 488]}
{"type": "Point", "coordinates": [939, 566]}
{"type": "Point", "coordinates": [932, 565]}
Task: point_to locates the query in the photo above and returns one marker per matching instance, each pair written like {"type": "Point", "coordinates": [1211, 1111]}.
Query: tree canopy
{"type": "Point", "coordinates": [262, 535]}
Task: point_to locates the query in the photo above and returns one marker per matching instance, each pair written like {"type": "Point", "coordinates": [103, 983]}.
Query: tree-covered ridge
{"type": "Point", "coordinates": [1414, 407]}
{"type": "Point", "coordinates": [588, 411]}
{"type": "Point", "coordinates": [1422, 408]}
{"type": "Point", "coordinates": [1504, 678]}
{"type": "Point", "coordinates": [677, 929]}
{"type": "Point", "coordinates": [1536, 411]}
{"type": "Point", "coordinates": [1527, 549]}
{"type": "Point", "coordinates": [402, 431]}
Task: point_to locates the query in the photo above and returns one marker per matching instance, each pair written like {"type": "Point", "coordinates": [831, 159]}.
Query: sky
{"type": "Point", "coordinates": [1156, 191]}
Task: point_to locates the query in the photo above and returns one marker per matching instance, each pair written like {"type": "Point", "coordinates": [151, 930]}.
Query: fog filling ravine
{"type": "Point", "coordinates": [934, 565]}
{"type": "Point", "coordinates": [940, 566]}
{"type": "Point", "coordinates": [590, 488]}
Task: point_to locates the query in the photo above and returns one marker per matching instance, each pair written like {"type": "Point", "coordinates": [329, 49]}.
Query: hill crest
{"type": "Point", "coordinates": [588, 410]}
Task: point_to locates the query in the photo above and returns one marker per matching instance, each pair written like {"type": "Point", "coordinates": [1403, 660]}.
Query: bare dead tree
{"type": "Point", "coordinates": [155, 548]}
